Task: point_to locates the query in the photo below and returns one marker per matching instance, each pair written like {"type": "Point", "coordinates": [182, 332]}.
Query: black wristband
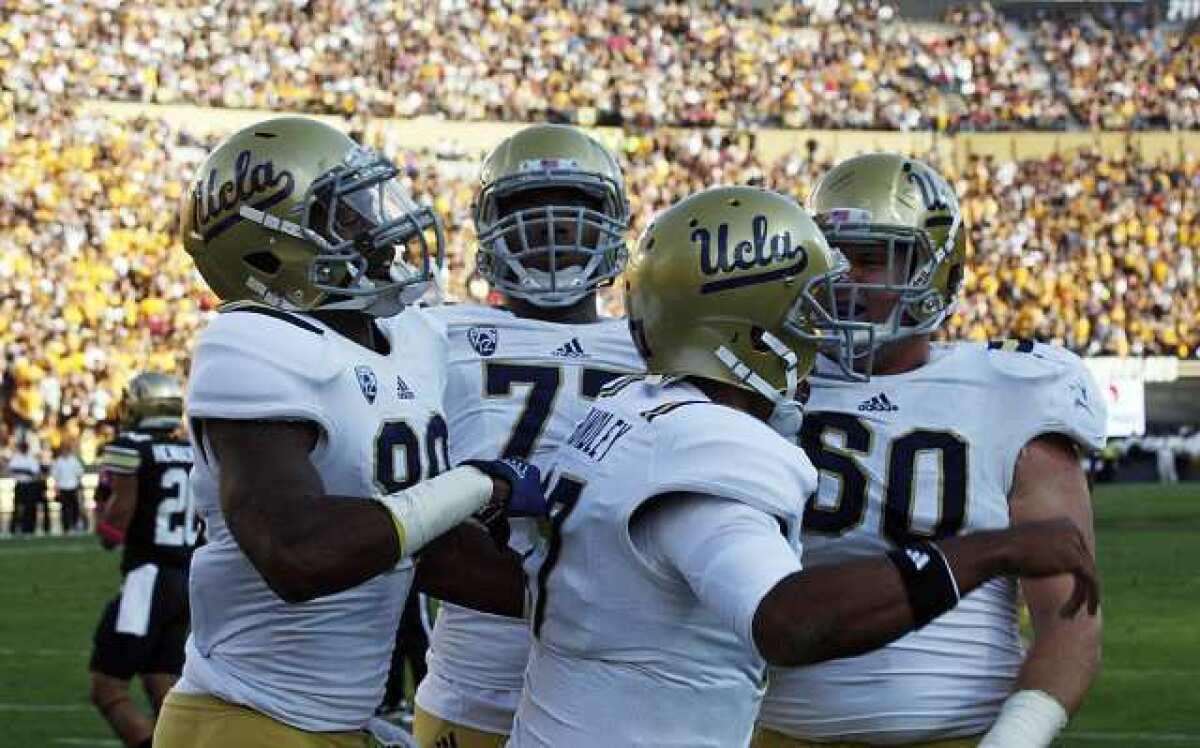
{"type": "Point", "coordinates": [928, 580]}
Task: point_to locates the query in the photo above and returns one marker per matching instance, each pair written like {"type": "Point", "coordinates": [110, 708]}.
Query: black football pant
{"type": "Point", "coordinates": [68, 504]}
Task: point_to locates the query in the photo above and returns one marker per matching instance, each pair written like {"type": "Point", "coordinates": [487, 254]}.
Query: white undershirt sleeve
{"type": "Point", "coordinates": [730, 554]}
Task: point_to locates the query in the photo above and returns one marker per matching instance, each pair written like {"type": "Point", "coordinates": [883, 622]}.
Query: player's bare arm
{"type": "Point", "coordinates": [1065, 656]}
{"type": "Point", "coordinates": [308, 544]}
{"type": "Point", "coordinates": [844, 610]}
{"type": "Point", "coordinates": [465, 567]}
{"type": "Point", "coordinates": [305, 543]}
{"type": "Point", "coordinates": [118, 510]}
{"type": "Point", "coordinates": [1048, 482]}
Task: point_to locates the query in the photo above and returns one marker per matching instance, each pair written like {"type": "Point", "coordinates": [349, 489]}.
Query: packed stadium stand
{"type": "Point", "coordinates": [818, 63]}
{"type": "Point", "coordinates": [1093, 248]}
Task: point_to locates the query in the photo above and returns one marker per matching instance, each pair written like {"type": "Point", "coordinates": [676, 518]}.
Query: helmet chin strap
{"type": "Point", "coordinates": [786, 415]}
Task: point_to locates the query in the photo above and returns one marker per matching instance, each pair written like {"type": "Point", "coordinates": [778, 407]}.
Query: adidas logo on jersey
{"type": "Point", "coordinates": [878, 404]}
{"type": "Point", "coordinates": [918, 558]}
{"type": "Point", "coordinates": [403, 391]}
{"type": "Point", "coordinates": [570, 349]}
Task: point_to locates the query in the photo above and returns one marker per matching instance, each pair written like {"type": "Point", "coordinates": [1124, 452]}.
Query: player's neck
{"type": "Point", "coordinates": [355, 326]}
{"type": "Point", "coordinates": [734, 397]}
{"type": "Point", "coordinates": [902, 356]}
{"type": "Point", "coordinates": [582, 312]}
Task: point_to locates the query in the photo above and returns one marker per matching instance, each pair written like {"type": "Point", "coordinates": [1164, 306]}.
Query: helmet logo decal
{"type": "Point", "coordinates": [214, 198]}
{"type": "Point", "coordinates": [932, 193]}
{"type": "Point", "coordinates": [763, 251]}
{"type": "Point", "coordinates": [838, 216]}
{"type": "Point", "coordinates": [548, 164]}
{"type": "Point", "coordinates": [483, 338]}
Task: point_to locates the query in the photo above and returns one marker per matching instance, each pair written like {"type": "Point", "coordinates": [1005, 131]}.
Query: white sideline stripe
{"type": "Point", "coordinates": [1123, 737]}
{"type": "Point", "coordinates": [42, 652]}
{"type": "Point", "coordinates": [1151, 672]}
{"type": "Point", "coordinates": [6, 706]}
{"type": "Point", "coordinates": [72, 548]}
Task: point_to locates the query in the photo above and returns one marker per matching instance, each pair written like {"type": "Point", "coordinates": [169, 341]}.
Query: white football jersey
{"type": "Point", "coordinates": [625, 653]}
{"type": "Point", "coordinates": [319, 665]}
{"type": "Point", "coordinates": [927, 453]}
{"type": "Point", "coordinates": [515, 386]}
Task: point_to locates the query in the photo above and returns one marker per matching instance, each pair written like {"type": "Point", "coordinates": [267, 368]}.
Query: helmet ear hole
{"type": "Point", "coordinates": [756, 339]}
{"type": "Point", "coordinates": [264, 262]}
{"type": "Point", "coordinates": [954, 280]}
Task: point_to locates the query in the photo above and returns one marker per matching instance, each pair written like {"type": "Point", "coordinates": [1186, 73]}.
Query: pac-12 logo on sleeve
{"type": "Point", "coordinates": [483, 338]}
{"type": "Point", "coordinates": [367, 382]}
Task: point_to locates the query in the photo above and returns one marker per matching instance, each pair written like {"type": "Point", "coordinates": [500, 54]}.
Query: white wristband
{"type": "Point", "coordinates": [431, 507]}
{"type": "Point", "coordinates": [1028, 719]}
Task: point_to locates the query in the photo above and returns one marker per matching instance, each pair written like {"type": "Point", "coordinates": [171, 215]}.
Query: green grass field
{"type": "Point", "coordinates": [51, 592]}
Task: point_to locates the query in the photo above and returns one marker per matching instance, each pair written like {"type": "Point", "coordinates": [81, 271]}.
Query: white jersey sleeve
{"type": "Point", "coordinates": [1055, 392]}
{"type": "Point", "coordinates": [730, 554]}
{"type": "Point", "coordinates": [515, 386]}
{"type": "Point", "coordinates": [692, 453]}
{"type": "Point", "coordinates": [320, 665]}
{"type": "Point", "coordinates": [249, 365]}
{"type": "Point", "coordinates": [927, 453]}
{"type": "Point", "coordinates": [651, 636]}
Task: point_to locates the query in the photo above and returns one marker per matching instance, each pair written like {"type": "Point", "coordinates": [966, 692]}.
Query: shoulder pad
{"type": "Point", "coordinates": [284, 340]}
{"type": "Point", "coordinates": [723, 452]}
{"type": "Point", "coordinates": [620, 383]}
{"type": "Point", "coordinates": [1059, 391]}
{"type": "Point", "coordinates": [468, 314]}
{"type": "Point", "coordinates": [1026, 359]}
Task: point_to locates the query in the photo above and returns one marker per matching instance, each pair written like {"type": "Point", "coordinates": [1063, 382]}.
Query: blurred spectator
{"type": "Point", "coordinates": [1120, 71]}
{"type": "Point", "coordinates": [1096, 254]}
{"type": "Point", "coordinates": [815, 63]}
{"type": "Point", "coordinates": [26, 472]}
{"type": "Point", "coordinates": [67, 472]}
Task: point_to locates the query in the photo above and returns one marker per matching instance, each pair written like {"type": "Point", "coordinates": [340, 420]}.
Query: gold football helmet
{"type": "Point", "coordinates": [734, 284]}
{"type": "Point", "coordinates": [151, 401]}
{"type": "Point", "coordinates": [292, 213]}
{"type": "Point", "coordinates": [549, 253]}
{"type": "Point", "coordinates": [902, 207]}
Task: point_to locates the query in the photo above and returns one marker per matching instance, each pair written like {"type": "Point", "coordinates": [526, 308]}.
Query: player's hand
{"type": "Point", "coordinates": [1050, 547]}
{"type": "Point", "coordinates": [517, 486]}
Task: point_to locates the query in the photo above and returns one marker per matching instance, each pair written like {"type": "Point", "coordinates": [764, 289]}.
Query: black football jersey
{"type": "Point", "coordinates": [164, 529]}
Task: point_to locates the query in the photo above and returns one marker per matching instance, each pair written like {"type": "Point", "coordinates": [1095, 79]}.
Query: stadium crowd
{"type": "Point", "coordinates": [818, 63]}
{"type": "Point", "coordinates": [1099, 255]}
{"type": "Point", "coordinates": [1123, 73]}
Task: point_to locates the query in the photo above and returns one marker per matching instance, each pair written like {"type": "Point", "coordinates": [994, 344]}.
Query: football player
{"type": "Point", "coordinates": [552, 218]}
{"type": "Point", "coordinates": [149, 515]}
{"type": "Point", "coordinates": [944, 439]}
{"type": "Point", "coordinates": [320, 444]}
{"type": "Point", "coordinates": [673, 573]}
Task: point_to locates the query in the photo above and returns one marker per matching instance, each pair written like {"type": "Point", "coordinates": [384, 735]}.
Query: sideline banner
{"type": "Point", "coordinates": [1124, 389]}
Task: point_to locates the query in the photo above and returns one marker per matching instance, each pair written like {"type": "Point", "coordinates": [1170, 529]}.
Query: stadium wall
{"type": "Point", "coordinates": [432, 132]}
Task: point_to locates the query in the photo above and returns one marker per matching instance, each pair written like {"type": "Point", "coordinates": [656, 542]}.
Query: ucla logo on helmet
{"type": "Point", "coordinates": [483, 338]}
{"type": "Point", "coordinates": [763, 250]}
{"type": "Point", "coordinates": [367, 382]}
{"type": "Point", "coordinates": [212, 198]}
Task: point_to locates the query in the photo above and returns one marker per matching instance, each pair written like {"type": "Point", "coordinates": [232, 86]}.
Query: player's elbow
{"type": "Point", "coordinates": [789, 634]}
{"type": "Point", "coordinates": [285, 573]}
{"type": "Point", "coordinates": [270, 547]}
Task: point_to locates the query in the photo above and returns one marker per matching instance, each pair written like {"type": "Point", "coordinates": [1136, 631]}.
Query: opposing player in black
{"type": "Point", "coordinates": [149, 513]}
